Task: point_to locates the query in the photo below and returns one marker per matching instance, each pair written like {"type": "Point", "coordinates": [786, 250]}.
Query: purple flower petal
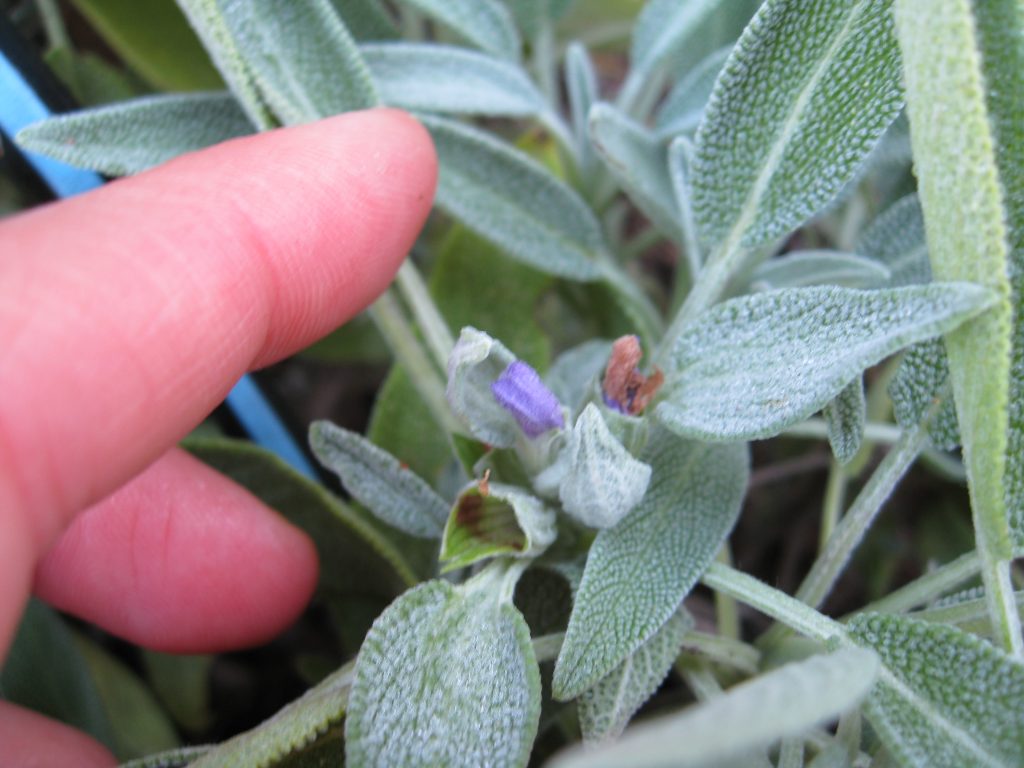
{"type": "Point", "coordinates": [520, 391]}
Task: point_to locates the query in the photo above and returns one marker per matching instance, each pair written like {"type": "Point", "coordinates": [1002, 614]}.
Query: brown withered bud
{"type": "Point", "coordinates": [625, 388]}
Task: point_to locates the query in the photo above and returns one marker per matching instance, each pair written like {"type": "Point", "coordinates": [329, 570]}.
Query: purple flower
{"type": "Point", "coordinates": [520, 391]}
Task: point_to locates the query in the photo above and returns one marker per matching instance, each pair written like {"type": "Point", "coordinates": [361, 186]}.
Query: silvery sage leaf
{"type": "Point", "coordinates": [378, 481]}
{"type": "Point", "coordinates": [801, 268]}
{"type": "Point", "coordinates": [366, 19]}
{"type": "Point", "coordinates": [639, 162]}
{"type": "Point", "coordinates": [448, 79]}
{"type": "Point", "coordinates": [921, 382]}
{"type": "Point", "coordinates": [486, 24]}
{"type": "Point", "coordinates": [574, 371]}
{"type": "Point", "coordinates": [683, 108]}
{"type": "Point", "coordinates": [944, 697]}
{"type": "Point", "coordinates": [602, 481]}
{"type": "Point", "coordinates": [845, 417]}
{"type": "Point", "coordinates": [750, 367]}
{"type": "Point", "coordinates": [638, 572]}
{"type": "Point", "coordinates": [130, 137]}
{"type": "Point", "coordinates": [680, 169]}
{"type": "Point", "coordinates": [503, 520]}
{"type": "Point", "coordinates": [513, 201]}
{"type": "Point", "coordinates": [787, 701]}
{"type": "Point", "coordinates": [808, 90]}
{"type": "Point", "coordinates": [607, 708]}
{"type": "Point", "coordinates": [582, 93]}
{"type": "Point", "coordinates": [302, 58]}
{"type": "Point", "coordinates": [896, 239]}
{"type": "Point", "coordinates": [475, 364]}
{"type": "Point", "coordinates": [446, 676]}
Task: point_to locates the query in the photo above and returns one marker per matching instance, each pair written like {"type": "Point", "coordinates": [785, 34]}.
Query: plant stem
{"type": "Point", "coordinates": [928, 587]}
{"type": "Point", "coordinates": [816, 429]}
{"type": "Point", "coordinates": [547, 647]}
{"type": "Point", "coordinates": [723, 650]}
{"type": "Point", "coordinates": [698, 677]}
{"type": "Point", "coordinates": [53, 23]}
{"type": "Point", "coordinates": [425, 312]}
{"type": "Point", "coordinates": [725, 606]}
{"type": "Point", "coordinates": [835, 497]}
{"type": "Point", "coordinates": [791, 753]}
{"type": "Point", "coordinates": [970, 615]}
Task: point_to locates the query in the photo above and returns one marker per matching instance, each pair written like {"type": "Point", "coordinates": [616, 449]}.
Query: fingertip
{"type": "Point", "coordinates": [31, 740]}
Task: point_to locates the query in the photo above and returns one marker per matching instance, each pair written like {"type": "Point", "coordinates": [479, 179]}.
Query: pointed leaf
{"type": "Point", "coordinates": [809, 89]}
{"type": "Point", "coordinates": [132, 136]}
{"type": "Point", "coordinates": [787, 701]}
{"type": "Point", "coordinates": [945, 697]}
{"type": "Point", "coordinates": [896, 239]}
{"type": "Point", "coordinates": [923, 379]}
{"type": "Point", "coordinates": [486, 24]}
{"type": "Point", "coordinates": [845, 417]}
{"type": "Point", "coordinates": [801, 268]}
{"type": "Point", "coordinates": [447, 676]}
{"type": "Point", "coordinates": [638, 572]}
{"type": "Point", "coordinates": [683, 108]}
{"type": "Point", "coordinates": [582, 92]}
{"type": "Point", "coordinates": [513, 201]}
{"type": "Point", "coordinates": [444, 78]}
{"type": "Point", "coordinates": [607, 708]}
{"type": "Point", "coordinates": [752, 366]}
{"type": "Point", "coordinates": [376, 479]}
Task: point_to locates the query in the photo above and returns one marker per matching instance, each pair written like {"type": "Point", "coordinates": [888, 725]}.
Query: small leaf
{"type": "Point", "coordinates": [607, 708]}
{"type": "Point", "coordinates": [602, 482]}
{"type": "Point", "coordinates": [511, 200]}
{"type": "Point", "coordinates": [475, 364]}
{"type": "Point", "coordinates": [802, 268]}
{"type": "Point", "coordinates": [486, 24]}
{"type": "Point", "coordinates": [503, 521]}
{"type": "Point", "coordinates": [845, 417]}
{"type": "Point", "coordinates": [787, 701]}
{"type": "Point", "coordinates": [447, 676]}
{"type": "Point", "coordinates": [638, 572]}
{"type": "Point", "coordinates": [574, 371]}
{"type": "Point", "coordinates": [808, 91]}
{"type": "Point", "coordinates": [444, 78]}
{"type": "Point", "coordinates": [132, 136]}
{"type": "Point", "coordinates": [897, 240]}
{"type": "Point", "coordinates": [944, 697]}
{"type": "Point", "coordinates": [376, 479]}
{"type": "Point", "coordinates": [582, 93]}
{"type": "Point", "coordinates": [923, 380]}
{"type": "Point", "coordinates": [639, 162]}
{"type": "Point", "coordinates": [683, 108]}
{"type": "Point", "coordinates": [750, 367]}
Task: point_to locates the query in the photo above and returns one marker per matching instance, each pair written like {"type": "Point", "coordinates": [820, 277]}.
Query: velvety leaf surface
{"type": "Point", "coordinates": [606, 708]}
{"type": "Point", "coordinates": [784, 702]}
{"type": "Point", "coordinates": [751, 366]}
{"type": "Point", "coordinates": [582, 93]}
{"type": "Point", "coordinates": [378, 481]}
{"type": "Point", "coordinates": [806, 93]}
{"type": "Point", "coordinates": [922, 380]}
{"type": "Point", "coordinates": [486, 24]}
{"type": "Point", "coordinates": [366, 19]}
{"type": "Point", "coordinates": [476, 362]}
{"type": "Point", "coordinates": [132, 136]}
{"type": "Point", "coordinates": [447, 676]}
{"type": "Point", "coordinates": [638, 572]}
{"type": "Point", "coordinates": [803, 268]}
{"type": "Point", "coordinates": [683, 108]}
{"type": "Point", "coordinates": [845, 417]}
{"type": "Point", "coordinates": [897, 240]}
{"type": "Point", "coordinates": [944, 697]}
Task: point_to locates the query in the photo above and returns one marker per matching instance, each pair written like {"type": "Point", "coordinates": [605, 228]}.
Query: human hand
{"type": "Point", "coordinates": [126, 315]}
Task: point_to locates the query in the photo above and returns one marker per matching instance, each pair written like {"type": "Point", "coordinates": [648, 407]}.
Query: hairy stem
{"type": "Point", "coordinates": [424, 310]}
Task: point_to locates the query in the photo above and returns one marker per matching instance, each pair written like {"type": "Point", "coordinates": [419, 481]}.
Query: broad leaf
{"type": "Point", "coordinates": [510, 199]}
{"type": "Point", "coordinates": [752, 366]}
{"type": "Point", "coordinates": [845, 417]}
{"type": "Point", "coordinates": [896, 239]}
{"type": "Point", "coordinates": [921, 382]}
{"type": "Point", "coordinates": [802, 268]}
{"type": "Point", "coordinates": [486, 24]}
{"type": "Point", "coordinates": [809, 89]}
{"type": "Point", "coordinates": [132, 136]}
{"type": "Point", "coordinates": [442, 78]}
{"type": "Point", "coordinates": [607, 708]}
{"type": "Point", "coordinates": [377, 480]}
{"type": "Point", "coordinates": [638, 572]}
{"type": "Point", "coordinates": [683, 108]}
{"type": "Point", "coordinates": [944, 697]}
{"type": "Point", "coordinates": [787, 701]}
{"type": "Point", "coordinates": [447, 676]}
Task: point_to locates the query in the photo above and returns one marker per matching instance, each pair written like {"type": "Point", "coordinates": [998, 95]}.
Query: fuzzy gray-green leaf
{"type": "Point", "coordinates": [638, 572]}
{"type": "Point", "coordinates": [922, 379]}
{"type": "Point", "coordinates": [448, 79]}
{"type": "Point", "coordinates": [845, 417]}
{"type": "Point", "coordinates": [447, 676]}
{"type": "Point", "coordinates": [582, 93]}
{"type": "Point", "coordinates": [510, 199]}
{"type": "Point", "coordinates": [132, 136]}
{"type": "Point", "coordinates": [574, 371]}
{"type": "Point", "coordinates": [807, 92]}
{"type": "Point", "coordinates": [377, 480]}
{"type": "Point", "coordinates": [802, 268]}
{"type": "Point", "coordinates": [752, 366]}
{"type": "Point", "coordinates": [787, 701]}
{"type": "Point", "coordinates": [683, 108]}
{"type": "Point", "coordinates": [473, 366]}
{"type": "Point", "coordinates": [896, 239]}
{"type": "Point", "coordinates": [486, 24]}
{"type": "Point", "coordinates": [945, 697]}
{"type": "Point", "coordinates": [606, 708]}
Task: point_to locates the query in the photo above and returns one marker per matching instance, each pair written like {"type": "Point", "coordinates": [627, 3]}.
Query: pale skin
{"type": "Point", "coordinates": [126, 315]}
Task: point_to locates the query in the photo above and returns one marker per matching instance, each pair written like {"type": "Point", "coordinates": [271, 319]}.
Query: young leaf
{"type": "Point", "coordinates": [582, 92]}
{"type": "Point", "coordinates": [683, 108]}
{"type": "Point", "coordinates": [639, 162]}
{"type": "Point", "coordinates": [922, 380]}
{"type": "Point", "coordinates": [638, 572]}
{"type": "Point", "coordinates": [475, 364]}
{"type": "Point", "coordinates": [896, 239]}
{"type": "Point", "coordinates": [845, 417]}
{"type": "Point", "coordinates": [575, 370]}
{"type": "Point", "coordinates": [376, 479]}
{"type": "Point", "coordinates": [787, 701]}
{"type": "Point", "coordinates": [514, 202]}
{"type": "Point", "coordinates": [602, 482]}
{"type": "Point", "coordinates": [752, 366]}
{"type": "Point", "coordinates": [944, 697]}
{"type": "Point", "coordinates": [303, 61]}
{"type": "Point", "coordinates": [444, 78]}
{"type": "Point", "coordinates": [447, 676]}
{"type": "Point", "coordinates": [801, 268]}
{"type": "Point", "coordinates": [807, 92]}
{"type": "Point", "coordinates": [132, 136]}
{"type": "Point", "coordinates": [484, 23]}
{"type": "Point", "coordinates": [607, 708]}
